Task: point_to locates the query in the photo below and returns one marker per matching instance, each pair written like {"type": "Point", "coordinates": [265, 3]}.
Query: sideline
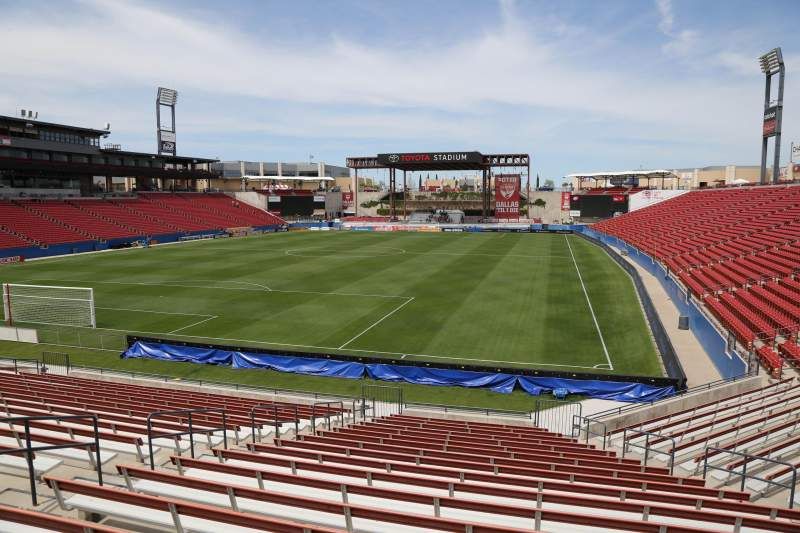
{"type": "Point", "coordinates": [591, 309]}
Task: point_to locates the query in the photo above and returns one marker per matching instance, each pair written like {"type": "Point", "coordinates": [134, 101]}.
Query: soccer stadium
{"type": "Point", "coordinates": [400, 335]}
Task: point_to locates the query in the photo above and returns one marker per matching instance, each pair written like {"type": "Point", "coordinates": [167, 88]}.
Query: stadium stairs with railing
{"type": "Point", "coordinates": [336, 472]}
{"type": "Point", "coordinates": [736, 250]}
{"type": "Point", "coordinates": [747, 441]}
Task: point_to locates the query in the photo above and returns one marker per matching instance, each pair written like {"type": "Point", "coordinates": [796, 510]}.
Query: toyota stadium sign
{"type": "Point", "coordinates": [423, 158]}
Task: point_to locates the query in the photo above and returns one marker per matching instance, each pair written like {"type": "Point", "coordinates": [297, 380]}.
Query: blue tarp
{"type": "Point", "coordinates": [620, 391]}
{"type": "Point", "coordinates": [179, 354]}
{"type": "Point", "coordinates": [498, 382]}
{"type": "Point", "coordinates": [299, 365]}
{"type": "Point", "coordinates": [440, 376]}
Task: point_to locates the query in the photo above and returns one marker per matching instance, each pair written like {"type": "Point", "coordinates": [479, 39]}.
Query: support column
{"type": "Point", "coordinates": [405, 192]}
{"type": "Point", "coordinates": [355, 191]}
{"type": "Point", "coordinates": [392, 207]}
{"type": "Point", "coordinates": [776, 166]}
{"type": "Point", "coordinates": [765, 140]}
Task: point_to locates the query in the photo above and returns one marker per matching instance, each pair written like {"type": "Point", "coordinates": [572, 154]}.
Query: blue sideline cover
{"type": "Point", "coordinates": [620, 391]}
{"type": "Point", "coordinates": [504, 383]}
{"type": "Point", "coordinates": [299, 365]}
{"type": "Point", "coordinates": [439, 376]}
{"type": "Point", "coordinates": [179, 354]}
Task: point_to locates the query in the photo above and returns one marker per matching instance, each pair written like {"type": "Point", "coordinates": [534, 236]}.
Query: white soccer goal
{"type": "Point", "coordinates": [46, 304]}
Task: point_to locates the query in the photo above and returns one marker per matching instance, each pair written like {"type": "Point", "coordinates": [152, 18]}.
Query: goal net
{"type": "Point", "coordinates": [45, 304]}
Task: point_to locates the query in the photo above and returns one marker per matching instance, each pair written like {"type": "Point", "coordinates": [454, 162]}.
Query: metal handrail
{"type": "Point", "coordinates": [28, 449]}
{"type": "Point", "coordinates": [485, 410]}
{"type": "Point", "coordinates": [274, 407]}
{"type": "Point", "coordinates": [589, 421]}
{"type": "Point", "coordinates": [551, 405]}
{"type": "Point", "coordinates": [744, 475]}
{"type": "Point", "coordinates": [189, 413]}
{"type": "Point", "coordinates": [697, 388]}
{"type": "Point", "coordinates": [327, 414]}
{"type": "Point", "coordinates": [647, 449]}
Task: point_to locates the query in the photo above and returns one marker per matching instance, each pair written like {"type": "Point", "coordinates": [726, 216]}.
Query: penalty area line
{"type": "Point", "coordinates": [384, 317]}
{"type": "Point", "coordinates": [212, 317]}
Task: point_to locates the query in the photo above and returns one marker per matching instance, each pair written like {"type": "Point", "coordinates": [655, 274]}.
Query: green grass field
{"type": "Point", "coordinates": [491, 299]}
{"type": "Point", "coordinates": [525, 300]}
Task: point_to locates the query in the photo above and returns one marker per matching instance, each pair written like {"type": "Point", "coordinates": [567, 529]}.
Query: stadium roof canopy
{"type": "Point", "coordinates": [647, 174]}
{"type": "Point", "coordinates": [425, 161]}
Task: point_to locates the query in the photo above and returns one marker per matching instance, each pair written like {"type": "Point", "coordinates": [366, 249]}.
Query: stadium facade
{"type": "Point", "coordinates": [697, 178]}
{"type": "Point", "coordinates": [42, 158]}
{"type": "Point", "coordinates": [263, 175]}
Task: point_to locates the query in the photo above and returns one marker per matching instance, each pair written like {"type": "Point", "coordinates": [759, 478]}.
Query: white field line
{"type": "Point", "coordinates": [525, 256]}
{"type": "Point", "coordinates": [151, 311]}
{"type": "Point", "coordinates": [461, 358]}
{"type": "Point", "coordinates": [187, 283]}
{"type": "Point", "coordinates": [384, 317]}
{"type": "Point", "coordinates": [589, 303]}
{"type": "Point", "coordinates": [212, 317]}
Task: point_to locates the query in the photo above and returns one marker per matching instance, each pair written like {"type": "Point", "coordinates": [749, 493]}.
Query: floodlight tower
{"type": "Point", "coordinates": [166, 136]}
{"type": "Point", "coordinates": [772, 63]}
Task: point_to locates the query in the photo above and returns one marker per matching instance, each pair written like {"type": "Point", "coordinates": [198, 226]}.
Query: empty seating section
{"type": "Point", "coordinates": [9, 240]}
{"type": "Point", "coordinates": [69, 214]}
{"type": "Point", "coordinates": [737, 249]}
{"type": "Point", "coordinates": [756, 432]}
{"type": "Point", "coordinates": [30, 226]}
{"type": "Point", "coordinates": [123, 212]}
{"type": "Point", "coordinates": [174, 218]}
{"type": "Point", "coordinates": [398, 473]}
{"type": "Point", "coordinates": [231, 212]}
{"type": "Point", "coordinates": [34, 222]}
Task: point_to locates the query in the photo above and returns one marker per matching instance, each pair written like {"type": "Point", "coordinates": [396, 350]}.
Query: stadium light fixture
{"type": "Point", "coordinates": [772, 61]}
{"type": "Point", "coordinates": [167, 96]}
{"type": "Point", "coordinates": [771, 65]}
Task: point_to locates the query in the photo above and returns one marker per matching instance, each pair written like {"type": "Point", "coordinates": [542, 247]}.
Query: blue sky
{"type": "Point", "coordinates": [582, 86]}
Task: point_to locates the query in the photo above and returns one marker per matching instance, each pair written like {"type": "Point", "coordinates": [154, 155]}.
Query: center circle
{"type": "Point", "coordinates": [377, 251]}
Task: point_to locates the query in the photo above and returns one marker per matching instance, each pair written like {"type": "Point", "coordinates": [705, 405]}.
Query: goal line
{"type": "Point", "coordinates": [49, 304]}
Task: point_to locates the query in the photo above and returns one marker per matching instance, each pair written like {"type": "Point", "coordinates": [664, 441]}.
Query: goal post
{"type": "Point", "coordinates": [48, 304]}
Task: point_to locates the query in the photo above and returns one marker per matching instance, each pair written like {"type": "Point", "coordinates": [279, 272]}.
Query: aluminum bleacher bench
{"type": "Point", "coordinates": [25, 521]}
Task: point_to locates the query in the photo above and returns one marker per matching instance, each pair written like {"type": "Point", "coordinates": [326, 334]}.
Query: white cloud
{"type": "Point", "coordinates": [681, 43]}
{"type": "Point", "coordinates": [358, 91]}
{"type": "Point", "coordinates": [667, 17]}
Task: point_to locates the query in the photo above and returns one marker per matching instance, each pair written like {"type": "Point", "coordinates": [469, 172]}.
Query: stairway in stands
{"type": "Point", "coordinates": [754, 432]}
{"type": "Point", "coordinates": [736, 250]}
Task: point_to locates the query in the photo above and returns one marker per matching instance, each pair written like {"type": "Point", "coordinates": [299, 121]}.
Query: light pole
{"type": "Point", "coordinates": [772, 63]}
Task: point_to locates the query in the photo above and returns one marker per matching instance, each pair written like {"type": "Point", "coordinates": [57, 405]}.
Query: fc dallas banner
{"type": "Point", "coordinates": [347, 199]}
{"type": "Point", "coordinates": [565, 201]}
{"type": "Point", "coordinates": [506, 196]}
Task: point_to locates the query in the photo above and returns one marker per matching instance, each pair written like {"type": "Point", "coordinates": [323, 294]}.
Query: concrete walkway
{"type": "Point", "coordinates": [696, 363]}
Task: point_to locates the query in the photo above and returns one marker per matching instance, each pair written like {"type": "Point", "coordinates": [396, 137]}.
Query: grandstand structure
{"type": "Point", "coordinates": [736, 251]}
{"type": "Point", "coordinates": [152, 456]}
{"type": "Point", "coordinates": [41, 223]}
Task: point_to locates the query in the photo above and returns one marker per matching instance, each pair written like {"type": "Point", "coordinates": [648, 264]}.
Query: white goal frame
{"type": "Point", "coordinates": [11, 304]}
